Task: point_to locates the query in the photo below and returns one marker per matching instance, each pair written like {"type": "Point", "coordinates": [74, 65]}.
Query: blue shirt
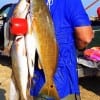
{"type": "Point", "coordinates": [66, 15]}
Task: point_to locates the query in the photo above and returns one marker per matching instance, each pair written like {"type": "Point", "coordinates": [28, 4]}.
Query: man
{"type": "Point", "coordinates": [73, 31]}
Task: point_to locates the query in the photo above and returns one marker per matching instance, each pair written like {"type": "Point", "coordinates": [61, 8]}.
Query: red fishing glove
{"type": "Point", "coordinates": [18, 26]}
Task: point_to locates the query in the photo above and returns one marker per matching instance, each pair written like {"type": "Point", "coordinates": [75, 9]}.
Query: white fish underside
{"type": "Point", "coordinates": [19, 66]}
{"type": "Point", "coordinates": [22, 54]}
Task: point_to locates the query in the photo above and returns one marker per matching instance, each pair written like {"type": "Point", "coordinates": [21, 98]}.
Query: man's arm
{"type": "Point", "coordinates": [84, 36]}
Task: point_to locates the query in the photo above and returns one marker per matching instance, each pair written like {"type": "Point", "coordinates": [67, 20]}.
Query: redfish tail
{"type": "Point", "coordinates": [50, 91]}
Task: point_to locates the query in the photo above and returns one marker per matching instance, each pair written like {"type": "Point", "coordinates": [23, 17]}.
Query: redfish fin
{"type": "Point", "coordinates": [50, 90]}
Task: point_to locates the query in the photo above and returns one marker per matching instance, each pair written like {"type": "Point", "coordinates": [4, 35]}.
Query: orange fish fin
{"type": "Point", "coordinates": [49, 90]}
{"type": "Point", "coordinates": [39, 64]}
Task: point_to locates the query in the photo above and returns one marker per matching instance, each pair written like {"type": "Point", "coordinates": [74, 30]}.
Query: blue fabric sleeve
{"type": "Point", "coordinates": [77, 13]}
{"type": "Point", "coordinates": [38, 82]}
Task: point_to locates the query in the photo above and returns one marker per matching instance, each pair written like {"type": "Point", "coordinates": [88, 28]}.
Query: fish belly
{"type": "Point", "coordinates": [19, 79]}
{"type": "Point", "coordinates": [30, 47]}
{"type": "Point", "coordinates": [19, 66]}
{"type": "Point", "coordinates": [21, 9]}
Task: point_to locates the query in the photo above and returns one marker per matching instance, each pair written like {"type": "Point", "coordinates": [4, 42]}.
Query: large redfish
{"type": "Point", "coordinates": [46, 45]}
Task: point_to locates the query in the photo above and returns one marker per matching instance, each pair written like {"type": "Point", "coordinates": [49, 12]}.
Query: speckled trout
{"type": "Point", "coordinates": [46, 45]}
{"type": "Point", "coordinates": [20, 65]}
{"type": "Point", "coordinates": [19, 70]}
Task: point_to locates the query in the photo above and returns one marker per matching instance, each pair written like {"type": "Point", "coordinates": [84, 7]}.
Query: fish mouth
{"type": "Point", "coordinates": [18, 38]}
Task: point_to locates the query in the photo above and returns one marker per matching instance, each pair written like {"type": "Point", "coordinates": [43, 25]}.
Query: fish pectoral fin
{"type": "Point", "coordinates": [30, 83]}
{"type": "Point", "coordinates": [38, 61]}
{"type": "Point", "coordinates": [39, 64]}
